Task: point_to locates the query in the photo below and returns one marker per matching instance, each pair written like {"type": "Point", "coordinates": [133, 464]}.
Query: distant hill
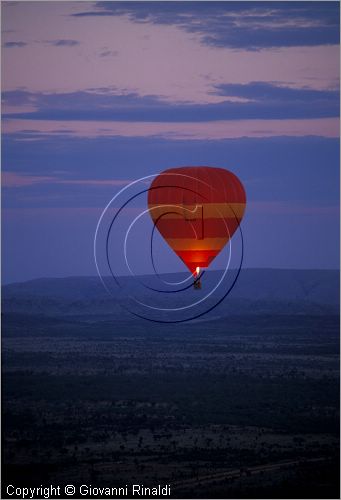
{"type": "Point", "coordinates": [257, 291]}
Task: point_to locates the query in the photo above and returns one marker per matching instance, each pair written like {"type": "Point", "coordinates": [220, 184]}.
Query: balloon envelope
{"type": "Point", "coordinates": [196, 210]}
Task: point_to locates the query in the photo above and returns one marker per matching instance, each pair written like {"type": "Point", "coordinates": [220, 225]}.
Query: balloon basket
{"type": "Point", "coordinates": [197, 285]}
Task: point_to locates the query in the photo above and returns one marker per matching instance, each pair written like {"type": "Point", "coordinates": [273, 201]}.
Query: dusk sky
{"type": "Point", "coordinates": [97, 94]}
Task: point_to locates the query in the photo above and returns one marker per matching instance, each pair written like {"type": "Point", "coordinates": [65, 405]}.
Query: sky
{"type": "Point", "coordinates": [97, 94]}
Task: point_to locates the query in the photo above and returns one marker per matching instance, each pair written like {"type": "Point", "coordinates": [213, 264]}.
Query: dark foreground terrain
{"type": "Point", "coordinates": [239, 406]}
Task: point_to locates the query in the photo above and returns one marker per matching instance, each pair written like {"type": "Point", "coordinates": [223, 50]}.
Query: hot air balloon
{"type": "Point", "coordinates": [196, 210]}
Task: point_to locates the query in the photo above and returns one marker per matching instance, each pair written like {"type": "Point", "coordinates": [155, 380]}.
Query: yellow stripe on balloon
{"type": "Point", "coordinates": [194, 212]}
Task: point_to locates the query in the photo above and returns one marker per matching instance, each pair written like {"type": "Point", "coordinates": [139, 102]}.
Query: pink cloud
{"type": "Point", "coordinates": [12, 108]}
{"type": "Point", "coordinates": [150, 59]}
{"type": "Point", "coordinates": [48, 212]}
{"type": "Point", "coordinates": [13, 180]}
{"type": "Point", "coordinates": [325, 127]}
{"type": "Point", "coordinates": [96, 182]}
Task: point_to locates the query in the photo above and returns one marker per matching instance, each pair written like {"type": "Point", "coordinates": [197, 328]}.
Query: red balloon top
{"type": "Point", "coordinates": [196, 210]}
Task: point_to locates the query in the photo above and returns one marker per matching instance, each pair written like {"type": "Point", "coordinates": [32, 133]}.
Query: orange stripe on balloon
{"type": "Point", "coordinates": [198, 229]}
{"type": "Point", "coordinates": [193, 244]}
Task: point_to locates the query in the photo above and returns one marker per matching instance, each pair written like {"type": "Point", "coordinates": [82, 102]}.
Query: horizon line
{"type": "Point", "coordinates": [84, 276]}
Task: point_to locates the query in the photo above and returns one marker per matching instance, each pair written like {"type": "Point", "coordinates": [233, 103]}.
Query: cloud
{"type": "Point", "coordinates": [108, 53]}
{"type": "Point", "coordinates": [292, 169]}
{"type": "Point", "coordinates": [63, 43]}
{"type": "Point", "coordinates": [15, 180]}
{"type": "Point", "coordinates": [257, 101]}
{"type": "Point", "coordinates": [261, 109]}
{"type": "Point", "coordinates": [10, 45]}
{"type": "Point", "coordinates": [265, 91]}
{"type": "Point", "coordinates": [249, 25]}
{"type": "Point", "coordinates": [96, 182]}
{"type": "Point", "coordinates": [152, 59]}
{"type": "Point", "coordinates": [189, 131]}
